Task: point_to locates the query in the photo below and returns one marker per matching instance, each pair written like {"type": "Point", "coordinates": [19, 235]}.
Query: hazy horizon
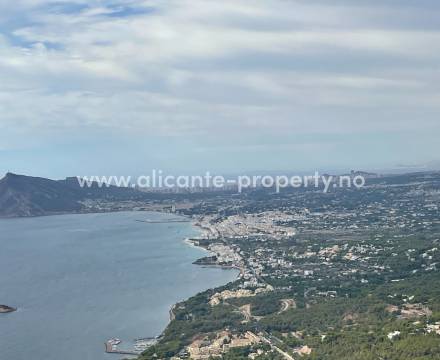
{"type": "Point", "coordinates": [121, 87]}
{"type": "Point", "coordinates": [398, 169]}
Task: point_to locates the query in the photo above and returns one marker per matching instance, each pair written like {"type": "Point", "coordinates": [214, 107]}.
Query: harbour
{"type": "Point", "coordinates": [112, 346]}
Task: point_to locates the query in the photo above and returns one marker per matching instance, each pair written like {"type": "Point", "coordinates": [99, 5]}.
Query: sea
{"type": "Point", "coordinates": [79, 280]}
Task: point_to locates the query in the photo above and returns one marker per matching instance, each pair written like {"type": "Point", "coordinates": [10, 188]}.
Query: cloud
{"type": "Point", "coordinates": [197, 67]}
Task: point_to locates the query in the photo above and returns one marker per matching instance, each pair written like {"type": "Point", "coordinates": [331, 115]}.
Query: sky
{"type": "Point", "coordinates": [112, 87]}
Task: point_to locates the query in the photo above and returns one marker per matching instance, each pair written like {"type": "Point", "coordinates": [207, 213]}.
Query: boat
{"type": "Point", "coordinates": [114, 341]}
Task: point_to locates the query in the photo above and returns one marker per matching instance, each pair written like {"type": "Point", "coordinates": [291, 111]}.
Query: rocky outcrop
{"type": "Point", "coordinates": [6, 309]}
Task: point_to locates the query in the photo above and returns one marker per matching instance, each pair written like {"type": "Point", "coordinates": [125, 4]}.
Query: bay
{"type": "Point", "coordinates": [79, 280]}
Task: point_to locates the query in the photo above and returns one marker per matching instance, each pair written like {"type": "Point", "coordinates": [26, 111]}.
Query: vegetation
{"type": "Point", "coordinates": [337, 328]}
{"type": "Point", "coordinates": [358, 280]}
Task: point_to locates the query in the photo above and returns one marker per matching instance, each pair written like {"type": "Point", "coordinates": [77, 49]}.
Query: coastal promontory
{"type": "Point", "coordinates": [6, 309]}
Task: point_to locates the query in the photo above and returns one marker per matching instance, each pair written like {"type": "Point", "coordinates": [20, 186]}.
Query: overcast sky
{"type": "Point", "coordinates": [123, 86]}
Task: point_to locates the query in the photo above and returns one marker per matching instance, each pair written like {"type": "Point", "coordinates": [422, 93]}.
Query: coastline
{"type": "Point", "coordinates": [195, 232]}
{"type": "Point", "coordinates": [85, 212]}
{"type": "Point", "coordinates": [226, 256]}
{"type": "Point", "coordinates": [191, 242]}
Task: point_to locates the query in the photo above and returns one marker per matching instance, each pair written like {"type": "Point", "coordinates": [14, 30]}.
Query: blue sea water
{"type": "Point", "coordinates": [79, 280]}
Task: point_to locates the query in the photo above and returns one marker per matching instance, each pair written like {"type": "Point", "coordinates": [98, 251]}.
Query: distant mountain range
{"type": "Point", "coordinates": [32, 196]}
{"type": "Point", "coordinates": [22, 195]}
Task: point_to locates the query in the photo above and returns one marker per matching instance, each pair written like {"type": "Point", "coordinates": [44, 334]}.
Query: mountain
{"type": "Point", "coordinates": [22, 195]}
{"type": "Point", "coordinates": [364, 174]}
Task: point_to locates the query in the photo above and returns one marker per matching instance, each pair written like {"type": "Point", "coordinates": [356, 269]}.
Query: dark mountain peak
{"type": "Point", "coordinates": [22, 195]}
{"type": "Point", "coordinates": [26, 183]}
{"type": "Point", "coordinates": [10, 176]}
{"type": "Point", "coordinates": [18, 177]}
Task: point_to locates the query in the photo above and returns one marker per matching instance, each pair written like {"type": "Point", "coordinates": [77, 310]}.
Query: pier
{"type": "Point", "coordinates": [164, 221]}
{"type": "Point", "coordinates": [110, 349]}
{"type": "Point", "coordinates": [140, 345]}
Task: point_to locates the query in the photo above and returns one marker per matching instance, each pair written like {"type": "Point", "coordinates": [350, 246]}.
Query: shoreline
{"type": "Point", "coordinates": [200, 232]}
{"type": "Point", "coordinates": [60, 213]}
{"type": "Point", "coordinates": [190, 242]}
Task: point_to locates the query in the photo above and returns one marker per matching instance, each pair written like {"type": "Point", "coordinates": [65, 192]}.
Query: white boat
{"type": "Point", "coordinates": [114, 341]}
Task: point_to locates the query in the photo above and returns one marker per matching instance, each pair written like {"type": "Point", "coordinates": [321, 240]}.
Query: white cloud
{"type": "Point", "coordinates": [186, 67]}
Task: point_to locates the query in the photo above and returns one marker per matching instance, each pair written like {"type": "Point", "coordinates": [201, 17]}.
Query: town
{"type": "Point", "coordinates": [313, 265]}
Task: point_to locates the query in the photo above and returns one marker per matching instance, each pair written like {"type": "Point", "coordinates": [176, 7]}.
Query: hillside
{"type": "Point", "coordinates": [32, 196]}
